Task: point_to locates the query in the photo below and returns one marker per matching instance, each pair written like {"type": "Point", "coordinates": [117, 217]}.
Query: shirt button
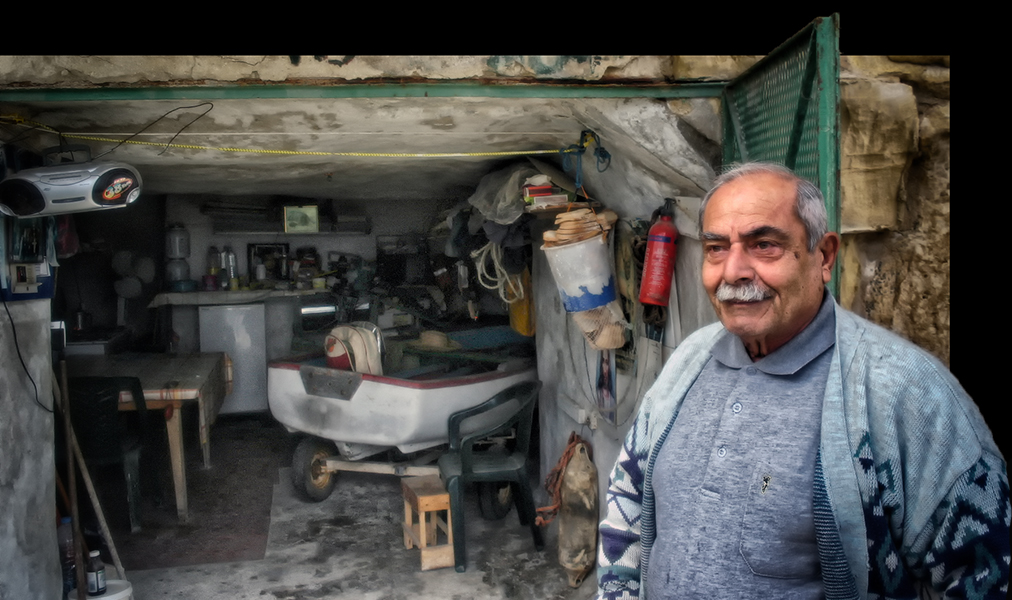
{"type": "Point", "coordinates": [750, 370]}
{"type": "Point", "coordinates": [736, 407]}
{"type": "Point", "coordinates": [721, 451]}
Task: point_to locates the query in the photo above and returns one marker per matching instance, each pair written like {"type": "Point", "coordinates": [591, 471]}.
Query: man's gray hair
{"type": "Point", "coordinates": [809, 204]}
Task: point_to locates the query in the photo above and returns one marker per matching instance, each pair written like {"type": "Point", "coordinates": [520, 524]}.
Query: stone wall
{"type": "Point", "coordinates": [895, 194]}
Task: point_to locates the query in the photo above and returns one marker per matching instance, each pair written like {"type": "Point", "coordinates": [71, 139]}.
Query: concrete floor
{"type": "Point", "coordinates": [348, 546]}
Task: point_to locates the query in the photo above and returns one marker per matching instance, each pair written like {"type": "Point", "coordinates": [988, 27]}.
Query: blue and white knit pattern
{"type": "Point", "coordinates": [972, 528]}
{"type": "Point", "coordinates": [620, 550]}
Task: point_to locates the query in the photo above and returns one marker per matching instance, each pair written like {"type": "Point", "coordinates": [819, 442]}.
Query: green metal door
{"type": "Point", "coordinates": [785, 109]}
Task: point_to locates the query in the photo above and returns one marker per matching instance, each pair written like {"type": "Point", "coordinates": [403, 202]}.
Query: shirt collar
{"type": "Point", "coordinates": [800, 350]}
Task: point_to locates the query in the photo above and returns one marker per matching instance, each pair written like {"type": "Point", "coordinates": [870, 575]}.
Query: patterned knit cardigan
{"type": "Point", "coordinates": [910, 493]}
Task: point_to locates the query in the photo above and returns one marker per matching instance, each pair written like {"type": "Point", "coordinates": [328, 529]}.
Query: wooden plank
{"type": "Point", "coordinates": [383, 468]}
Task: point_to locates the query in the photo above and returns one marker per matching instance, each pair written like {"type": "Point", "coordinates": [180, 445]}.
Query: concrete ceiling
{"type": "Point", "coordinates": [288, 146]}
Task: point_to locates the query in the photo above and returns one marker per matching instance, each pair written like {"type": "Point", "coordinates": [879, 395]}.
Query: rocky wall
{"type": "Point", "coordinates": [895, 194]}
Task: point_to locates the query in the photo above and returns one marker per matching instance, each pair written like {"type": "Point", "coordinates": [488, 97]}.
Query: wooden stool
{"type": "Point", "coordinates": [424, 495]}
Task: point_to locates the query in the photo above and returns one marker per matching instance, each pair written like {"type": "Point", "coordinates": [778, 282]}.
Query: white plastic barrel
{"type": "Point", "coordinates": [582, 273]}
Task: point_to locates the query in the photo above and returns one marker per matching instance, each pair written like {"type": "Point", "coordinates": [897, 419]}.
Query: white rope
{"type": "Point", "coordinates": [500, 281]}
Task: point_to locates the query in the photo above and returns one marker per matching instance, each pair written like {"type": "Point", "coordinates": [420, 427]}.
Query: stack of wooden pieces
{"type": "Point", "coordinates": [578, 225]}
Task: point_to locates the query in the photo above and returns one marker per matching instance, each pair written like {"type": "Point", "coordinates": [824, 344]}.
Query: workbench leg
{"type": "Point", "coordinates": [409, 522]}
{"type": "Point", "coordinates": [174, 427]}
{"type": "Point", "coordinates": [205, 441]}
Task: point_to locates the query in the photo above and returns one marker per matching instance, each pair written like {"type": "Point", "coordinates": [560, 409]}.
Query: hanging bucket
{"type": "Point", "coordinates": [582, 273]}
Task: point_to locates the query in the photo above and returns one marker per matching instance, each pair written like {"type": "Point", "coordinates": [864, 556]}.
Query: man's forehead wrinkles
{"type": "Point", "coordinates": [760, 231]}
{"type": "Point", "coordinates": [766, 231]}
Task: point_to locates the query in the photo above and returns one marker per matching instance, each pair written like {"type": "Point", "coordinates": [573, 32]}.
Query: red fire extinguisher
{"type": "Point", "coordinates": [659, 263]}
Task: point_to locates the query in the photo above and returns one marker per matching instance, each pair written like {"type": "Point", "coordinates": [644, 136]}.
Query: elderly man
{"type": "Point", "coordinates": [795, 450]}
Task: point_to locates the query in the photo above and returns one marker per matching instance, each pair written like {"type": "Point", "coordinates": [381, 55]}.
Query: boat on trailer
{"type": "Point", "coordinates": [349, 417]}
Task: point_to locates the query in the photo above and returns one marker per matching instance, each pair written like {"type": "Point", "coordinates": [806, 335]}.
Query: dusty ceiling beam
{"type": "Point", "coordinates": [707, 89]}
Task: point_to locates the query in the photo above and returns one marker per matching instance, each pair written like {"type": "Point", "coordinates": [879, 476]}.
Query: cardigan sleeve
{"type": "Point", "coordinates": [935, 486]}
{"type": "Point", "coordinates": [619, 551]}
{"type": "Point", "coordinates": [968, 551]}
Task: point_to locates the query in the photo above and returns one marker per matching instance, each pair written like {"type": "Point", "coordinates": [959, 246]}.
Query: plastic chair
{"type": "Point", "coordinates": [101, 433]}
{"type": "Point", "coordinates": [512, 407]}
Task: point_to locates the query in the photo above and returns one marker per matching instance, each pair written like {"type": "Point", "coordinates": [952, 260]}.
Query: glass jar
{"type": "Point", "coordinates": [96, 574]}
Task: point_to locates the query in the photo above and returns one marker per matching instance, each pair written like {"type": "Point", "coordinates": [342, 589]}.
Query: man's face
{"type": "Point", "coordinates": [753, 238]}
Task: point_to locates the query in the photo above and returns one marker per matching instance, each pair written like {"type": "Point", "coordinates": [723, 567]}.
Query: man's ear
{"type": "Point", "coordinates": [830, 248]}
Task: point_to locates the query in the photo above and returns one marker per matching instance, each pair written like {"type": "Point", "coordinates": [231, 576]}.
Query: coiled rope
{"type": "Point", "coordinates": [509, 286]}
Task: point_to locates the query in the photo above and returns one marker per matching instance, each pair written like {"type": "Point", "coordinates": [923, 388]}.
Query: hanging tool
{"type": "Point", "coordinates": [603, 157]}
{"type": "Point", "coordinates": [464, 285]}
{"type": "Point", "coordinates": [572, 485]}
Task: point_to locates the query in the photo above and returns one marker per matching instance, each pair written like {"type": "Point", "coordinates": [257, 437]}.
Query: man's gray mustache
{"type": "Point", "coordinates": [753, 291]}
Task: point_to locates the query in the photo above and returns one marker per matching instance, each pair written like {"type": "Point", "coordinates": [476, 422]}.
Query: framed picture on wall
{"type": "Point", "coordinates": [302, 219]}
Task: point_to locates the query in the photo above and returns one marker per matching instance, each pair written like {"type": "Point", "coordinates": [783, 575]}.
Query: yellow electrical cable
{"type": "Point", "coordinates": [91, 138]}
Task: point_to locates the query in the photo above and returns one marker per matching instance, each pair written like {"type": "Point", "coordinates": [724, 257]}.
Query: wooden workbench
{"type": "Point", "coordinates": [169, 383]}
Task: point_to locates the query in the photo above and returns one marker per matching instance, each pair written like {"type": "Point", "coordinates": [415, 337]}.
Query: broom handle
{"type": "Point", "coordinates": [74, 451]}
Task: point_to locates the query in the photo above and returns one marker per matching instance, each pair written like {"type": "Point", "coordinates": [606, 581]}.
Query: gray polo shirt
{"type": "Point", "coordinates": [733, 480]}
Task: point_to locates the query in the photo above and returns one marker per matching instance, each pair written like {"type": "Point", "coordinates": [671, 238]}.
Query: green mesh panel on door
{"type": "Point", "coordinates": [785, 109]}
{"type": "Point", "coordinates": [773, 113]}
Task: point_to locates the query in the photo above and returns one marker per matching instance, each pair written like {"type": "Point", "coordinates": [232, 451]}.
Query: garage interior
{"type": "Point", "coordinates": [404, 157]}
{"type": "Point", "coordinates": [400, 194]}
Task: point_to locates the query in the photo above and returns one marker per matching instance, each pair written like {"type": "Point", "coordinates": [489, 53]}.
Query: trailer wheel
{"type": "Point", "coordinates": [495, 498]}
{"type": "Point", "coordinates": [309, 469]}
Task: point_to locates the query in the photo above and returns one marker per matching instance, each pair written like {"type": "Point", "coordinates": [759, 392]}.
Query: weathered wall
{"type": "Point", "coordinates": [88, 71]}
{"type": "Point", "coordinates": [28, 552]}
{"type": "Point", "coordinates": [895, 194]}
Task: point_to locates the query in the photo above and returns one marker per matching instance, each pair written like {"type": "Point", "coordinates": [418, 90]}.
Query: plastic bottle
{"type": "Point", "coordinates": [65, 538]}
{"type": "Point", "coordinates": [213, 260]}
{"type": "Point", "coordinates": [96, 574]}
{"type": "Point", "coordinates": [659, 263]}
{"type": "Point", "coordinates": [177, 241]}
{"type": "Point", "coordinates": [230, 263]}
{"type": "Point", "coordinates": [230, 275]}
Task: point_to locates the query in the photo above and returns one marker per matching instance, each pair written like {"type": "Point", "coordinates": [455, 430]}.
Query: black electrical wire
{"type": "Point", "coordinates": [210, 105]}
{"type": "Point", "coordinates": [22, 359]}
{"type": "Point", "coordinates": [18, 136]}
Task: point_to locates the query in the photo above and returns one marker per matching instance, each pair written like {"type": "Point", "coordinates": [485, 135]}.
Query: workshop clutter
{"type": "Point", "coordinates": [578, 256]}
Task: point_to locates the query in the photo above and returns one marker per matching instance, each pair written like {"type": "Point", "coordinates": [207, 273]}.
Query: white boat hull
{"type": "Point", "coordinates": [356, 408]}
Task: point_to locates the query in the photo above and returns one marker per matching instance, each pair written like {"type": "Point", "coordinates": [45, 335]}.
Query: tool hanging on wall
{"type": "Point", "coordinates": [466, 291]}
{"type": "Point", "coordinates": [603, 158]}
{"type": "Point", "coordinates": [572, 486]}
